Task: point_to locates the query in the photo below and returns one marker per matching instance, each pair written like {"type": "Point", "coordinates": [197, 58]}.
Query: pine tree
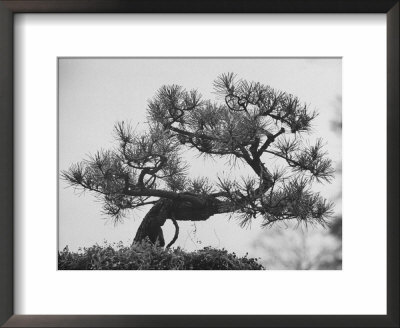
{"type": "Point", "coordinates": [253, 124]}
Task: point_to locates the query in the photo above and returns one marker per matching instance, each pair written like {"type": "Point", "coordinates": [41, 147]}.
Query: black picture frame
{"type": "Point", "coordinates": [10, 7]}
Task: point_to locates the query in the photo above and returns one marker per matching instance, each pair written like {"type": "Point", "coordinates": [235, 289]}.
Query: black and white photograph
{"type": "Point", "coordinates": [199, 163]}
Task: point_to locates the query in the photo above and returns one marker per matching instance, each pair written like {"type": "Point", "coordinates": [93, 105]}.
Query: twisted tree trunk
{"type": "Point", "coordinates": [176, 210]}
{"type": "Point", "coordinates": [153, 221]}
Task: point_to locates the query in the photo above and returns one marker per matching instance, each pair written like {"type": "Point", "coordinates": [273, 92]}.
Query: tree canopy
{"type": "Point", "coordinates": [250, 122]}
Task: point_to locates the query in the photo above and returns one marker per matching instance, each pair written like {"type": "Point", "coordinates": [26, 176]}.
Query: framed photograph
{"type": "Point", "coordinates": [199, 164]}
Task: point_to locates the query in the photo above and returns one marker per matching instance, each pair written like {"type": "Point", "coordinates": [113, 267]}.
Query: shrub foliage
{"type": "Point", "coordinates": [146, 256]}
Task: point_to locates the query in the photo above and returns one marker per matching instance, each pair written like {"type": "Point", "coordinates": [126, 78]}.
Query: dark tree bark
{"type": "Point", "coordinates": [176, 210]}
{"type": "Point", "coordinates": [152, 223]}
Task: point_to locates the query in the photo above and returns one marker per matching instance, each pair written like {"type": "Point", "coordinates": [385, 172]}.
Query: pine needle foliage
{"type": "Point", "coordinates": [250, 122]}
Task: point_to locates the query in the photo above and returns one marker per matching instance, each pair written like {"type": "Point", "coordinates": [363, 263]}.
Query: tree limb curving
{"type": "Point", "coordinates": [176, 233]}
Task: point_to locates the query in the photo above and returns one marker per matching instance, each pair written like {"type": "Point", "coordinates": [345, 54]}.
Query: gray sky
{"type": "Point", "coordinates": [96, 93]}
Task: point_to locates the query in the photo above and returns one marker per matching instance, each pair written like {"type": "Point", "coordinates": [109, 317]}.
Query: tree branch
{"type": "Point", "coordinates": [167, 194]}
{"type": "Point", "coordinates": [151, 171]}
{"type": "Point", "coordinates": [176, 233]}
{"type": "Point", "coordinates": [269, 141]}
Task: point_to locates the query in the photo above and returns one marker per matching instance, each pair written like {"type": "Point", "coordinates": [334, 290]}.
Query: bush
{"type": "Point", "coordinates": [146, 256]}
